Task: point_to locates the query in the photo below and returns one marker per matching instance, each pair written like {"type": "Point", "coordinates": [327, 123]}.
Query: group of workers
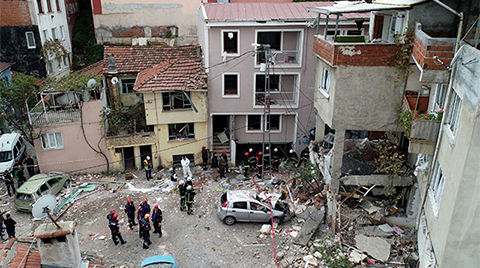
{"type": "Point", "coordinates": [252, 161]}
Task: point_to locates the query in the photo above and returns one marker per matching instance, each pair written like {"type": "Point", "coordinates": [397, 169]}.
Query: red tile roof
{"type": "Point", "coordinates": [158, 67]}
{"type": "Point", "coordinates": [96, 69]}
{"type": "Point", "coordinates": [269, 11]}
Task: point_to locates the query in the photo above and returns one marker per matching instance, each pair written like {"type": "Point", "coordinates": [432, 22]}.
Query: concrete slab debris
{"type": "Point", "coordinates": [386, 228]}
{"type": "Point", "coordinates": [357, 257]}
{"type": "Point", "coordinates": [311, 260]}
{"type": "Point", "coordinates": [310, 227]}
{"type": "Point", "coordinates": [266, 229]}
{"type": "Point", "coordinates": [376, 247]}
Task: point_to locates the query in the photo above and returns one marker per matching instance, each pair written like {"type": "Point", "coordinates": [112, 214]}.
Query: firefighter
{"type": "Point", "coordinates": [214, 166]}
{"type": "Point", "coordinates": [130, 211]}
{"type": "Point", "coordinates": [146, 231]}
{"type": "Point", "coordinates": [182, 192]}
{"type": "Point", "coordinates": [110, 215]}
{"type": "Point", "coordinates": [292, 156]}
{"type": "Point", "coordinates": [252, 160]}
{"type": "Point", "coordinates": [189, 182]}
{"type": "Point", "coordinates": [304, 156]}
{"type": "Point", "coordinates": [225, 157]}
{"type": "Point", "coordinates": [157, 218]}
{"type": "Point", "coordinates": [222, 165]}
{"type": "Point", "coordinates": [259, 163]}
{"type": "Point", "coordinates": [190, 195]}
{"type": "Point", "coordinates": [246, 164]}
{"type": "Point", "coordinates": [204, 157]}
{"type": "Point", "coordinates": [145, 207]}
{"type": "Point", "coordinates": [275, 159]}
{"type": "Point", "coordinates": [147, 164]}
{"type": "Point", "coordinates": [115, 229]}
{"type": "Point", "coordinates": [140, 217]}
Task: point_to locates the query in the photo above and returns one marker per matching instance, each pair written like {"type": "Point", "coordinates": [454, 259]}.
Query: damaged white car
{"type": "Point", "coordinates": [247, 206]}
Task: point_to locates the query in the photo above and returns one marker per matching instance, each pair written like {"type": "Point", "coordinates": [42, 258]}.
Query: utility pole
{"type": "Point", "coordinates": [266, 112]}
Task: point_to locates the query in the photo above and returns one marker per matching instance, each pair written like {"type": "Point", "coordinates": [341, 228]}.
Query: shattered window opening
{"type": "Point", "coordinates": [127, 85]}
{"type": "Point", "coordinates": [176, 101]}
{"type": "Point", "coordinates": [180, 132]}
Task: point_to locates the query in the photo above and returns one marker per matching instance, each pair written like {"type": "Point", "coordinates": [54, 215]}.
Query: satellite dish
{"type": "Point", "coordinates": [91, 83]}
{"type": "Point", "coordinates": [114, 80]}
{"type": "Point", "coordinates": [39, 210]}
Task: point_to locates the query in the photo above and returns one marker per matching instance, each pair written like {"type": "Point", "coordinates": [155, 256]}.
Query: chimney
{"type": "Point", "coordinates": [112, 67]}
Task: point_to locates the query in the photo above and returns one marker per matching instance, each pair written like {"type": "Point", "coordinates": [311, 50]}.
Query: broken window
{"type": "Point", "coordinates": [454, 113]}
{"type": "Point", "coordinates": [230, 42]}
{"type": "Point", "coordinates": [254, 122]}
{"type": "Point", "coordinates": [436, 187]}
{"type": "Point", "coordinates": [440, 96]}
{"type": "Point", "coordinates": [274, 121]}
{"type": "Point", "coordinates": [260, 82]}
{"type": "Point", "coordinates": [274, 39]}
{"type": "Point", "coordinates": [176, 101]}
{"type": "Point", "coordinates": [230, 84]}
{"type": "Point", "coordinates": [127, 85]}
{"type": "Point", "coordinates": [62, 239]}
{"type": "Point", "coordinates": [325, 82]}
{"type": "Point", "coordinates": [240, 205]}
{"type": "Point", "coordinates": [181, 132]}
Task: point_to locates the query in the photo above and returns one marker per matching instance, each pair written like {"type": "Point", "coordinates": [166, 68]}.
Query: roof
{"type": "Point", "coordinates": [268, 12]}
{"type": "Point", "coordinates": [346, 8]}
{"type": "Point", "coordinates": [6, 141]}
{"type": "Point", "coordinates": [5, 65]}
{"type": "Point", "coordinates": [96, 69]}
{"type": "Point", "coordinates": [159, 68]}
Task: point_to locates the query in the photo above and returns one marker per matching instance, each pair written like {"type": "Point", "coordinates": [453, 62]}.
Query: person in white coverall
{"type": "Point", "coordinates": [186, 167]}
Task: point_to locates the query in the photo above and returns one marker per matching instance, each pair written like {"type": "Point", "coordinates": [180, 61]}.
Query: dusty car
{"type": "Point", "coordinates": [246, 206]}
{"type": "Point", "coordinates": [160, 261]}
{"type": "Point", "coordinates": [37, 186]}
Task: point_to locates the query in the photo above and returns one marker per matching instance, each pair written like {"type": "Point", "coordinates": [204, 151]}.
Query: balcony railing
{"type": "Point", "coordinates": [283, 57]}
{"type": "Point", "coordinates": [283, 99]}
{"type": "Point", "coordinates": [424, 130]}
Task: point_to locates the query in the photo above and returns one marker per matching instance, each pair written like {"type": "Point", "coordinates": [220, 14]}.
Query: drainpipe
{"type": "Point", "coordinates": [447, 103]}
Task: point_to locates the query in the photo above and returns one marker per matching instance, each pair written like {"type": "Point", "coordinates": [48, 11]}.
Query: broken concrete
{"type": "Point", "coordinates": [310, 226]}
{"type": "Point", "coordinates": [384, 180]}
{"type": "Point", "coordinates": [376, 247]}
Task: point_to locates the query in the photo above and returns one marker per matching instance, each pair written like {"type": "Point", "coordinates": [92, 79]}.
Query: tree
{"type": "Point", "coordinates": [15, 95]}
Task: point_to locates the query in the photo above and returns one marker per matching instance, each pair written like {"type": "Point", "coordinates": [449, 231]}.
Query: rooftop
{"type": "Point", "coordinates": [5, 65]}
{"type": "Point", "coordinates": [96, 69]}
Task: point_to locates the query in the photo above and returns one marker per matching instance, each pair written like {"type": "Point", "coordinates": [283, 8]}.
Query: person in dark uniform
{"type": "Point", "coordinates": [140, 217]}
{"type": "Point", "coordinates": [182, 192]}
{"type": "Point", "coordinates": [115, 229]}
{"type": "Point", "coordinates": [20, 176]}
{"type": "Point", "coordinates": [30, 165]}
{"type": "Point", "coordinates": [173, 175]}
{"type": "Point", "coordinates": [259, 165]}
{"type": "Point", "coordinates": [7, 178]}
{"type": "Point", "coordinates": [214, 166]}
{"type": "Point", "coordinates": [304, 156]}
{"type": "Point", "coordinates": [10, 226]}
{"type": "Point", "coordinates": [275, 159]}
{"type": "Point", "coordinates": [292, 157]}
{"type": "Point", "coordinates": [225, 157]}
{"type": "Point", "coordinates": [246, 164]}
{"type": "Point", "coordinates": [130, 211]}
{"type": "Point", "coordinates": [146, 231]}
{"type": "Point", "coordinates": [157, 218]}
{"type": "Point", "coordinates": [204, 157]}
{"type": "Point", "coordinates": [190, 195]}
{"type": "Point", "coordinates": [145, 207]}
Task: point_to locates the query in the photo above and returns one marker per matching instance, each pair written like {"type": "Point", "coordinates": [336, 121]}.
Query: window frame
{"type": "Point", "coordinates": [54, 33]}
{"type": "Point", "coordinates": [278, 82]}
{"type": "Point", "coordinates": [49, 6]}
{"type": "Point", "coordinates": [273, 130]}
{"type": "Point", "coordinates": [40, 7]}
{"type": "Point", "coordinates": [57, 3]}
{"type": "Point", "coordinates": [222, 40]}
{"type": "Point", "coordinates": [60, 29]}
{"type": "Point", "coordinates": [224, 95]}
{"type": "Point", "coordinates": [247, 124]}
{"type": "Point", "coordinates": [454, 113]}
{"type": "Point", "coordinates": [240, 202]}
{"type": "Point", "coordinates": [440, 93]}
{"type": "Point", "coordinates": [436, 187]}
{"type": "Point", "coordinates": [300, 48]}
{"type": "Point", "coordinates": [324, 86]}
{"type": "Point", "coordinates": [171, 95]}
{"type": "Point", "coordinates": [46, 140]}
{"type": "Point", "coordinates": [30, 46]}
{"type": "Point", "coordinates": [190, 132]}
{"type": "Point", "coordinates": [59, 64]}
{"type": "Point", "coordinates": [127, 85]}
{"type": "Point", "coordinates": [49, 67]}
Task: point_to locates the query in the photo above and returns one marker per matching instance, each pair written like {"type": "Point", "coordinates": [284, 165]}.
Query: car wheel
{"type": "Point", "coordinates": [65, 185]}
{"type": "Point", "coordinates": [229, 220]}
{"type": "Point", "coordinates": [277, 220]}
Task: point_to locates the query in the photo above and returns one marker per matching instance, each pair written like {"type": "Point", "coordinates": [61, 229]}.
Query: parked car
{"type": "Point", "coordinates": [245, 206]}
{"type": "Point", "coordinates": [160, 261]}
{"type": "Point", "coordinates": [12, 149]}
{"type": "Point", "coordinates": [38, 186]}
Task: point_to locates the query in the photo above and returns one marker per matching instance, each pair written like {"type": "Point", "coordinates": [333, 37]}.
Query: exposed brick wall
{"type": "Point", "coordinates": [129, 32]}
{"type": "Point", "coordinates": [14, 13]}
{"type": "Point", "coordinates": [354, 54]}
{"type": "Point", "coordinates": [424, 54]}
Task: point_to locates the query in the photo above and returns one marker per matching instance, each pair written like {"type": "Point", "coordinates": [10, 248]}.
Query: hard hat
{"type": "Point", "coordinates": [115, 216]}
{"type": "Point", "coordinates": [129, 200]}
{"type": "Point", "coordinates": [189, 179]}
{"type": "Point", "coordinates": [112, 211]}
{"type": "Point", "coordinates": [292, 151]}
{"type": "Point", "coordinates": [140, 208]}
{"type": "Point", "coordinates": [189, 187]}
{"type": "Point", "coordinates": [145, 200]}
{"type": "Point", "coordinates": [171, 169]}
{"type": "Point", "coordinates": [203, 147]}
{"type": "Point", "coordinates": [224, 152]}
{"type": "Point", "coordinates": [267, 148]}
{"type": "Point", "coordinates": [156, 206]}
{"type": "Point", "coordinates": [246, 153]}
{"type": "Point", "coordinates": [275, 150]}
{"type": "Point", "coordinates": [148, 157]}
{"type": "Point", "coordinates": [147, 216]}
{"type": "Point", "coordinates": [250, 150]}
{"type": "Point", "coordinates": [260, 153]}
{"type": "Point", "coordinates": [181, 182]}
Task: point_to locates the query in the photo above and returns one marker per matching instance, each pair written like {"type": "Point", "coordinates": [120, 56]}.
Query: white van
{"type": "Point", "coordinates": [12, 148]}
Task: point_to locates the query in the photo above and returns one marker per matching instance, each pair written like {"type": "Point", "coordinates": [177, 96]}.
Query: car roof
{"type": "Point", "coordinates": [242, 195]}
{"type": "Point", "coordinates": [6, 141]}
{"type": "Point", "coordinates": [34, 182]}
{"type": "Point", "coordinates": [159, 258]}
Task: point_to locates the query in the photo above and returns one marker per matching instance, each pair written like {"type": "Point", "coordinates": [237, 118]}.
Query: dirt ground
{"type": "Point", "coordinates": [199, 240]}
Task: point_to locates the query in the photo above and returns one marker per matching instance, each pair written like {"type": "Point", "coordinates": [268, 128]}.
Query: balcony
{"type": "Point", "coordinates": [286, 47]}
{"type": "Point", "coordinates": [55, 108]}
{"type": "Point", "coordinates": [283, 90]}
{"type": "Point", "coordinates": [349, 51]}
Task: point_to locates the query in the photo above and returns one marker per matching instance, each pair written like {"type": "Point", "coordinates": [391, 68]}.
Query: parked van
{"type": "Point", "coordinates": [12, 148]}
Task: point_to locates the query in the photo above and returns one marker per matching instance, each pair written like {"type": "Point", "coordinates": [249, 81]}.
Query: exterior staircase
{"type": "Point", "coordinates": [219, 147]}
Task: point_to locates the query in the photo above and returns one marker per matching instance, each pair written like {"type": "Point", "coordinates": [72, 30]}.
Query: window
{"type": "Point", "coordinates": [274, 120]}
{"type": "Point", "coordinates": [176, 101]}
{"type": "Point", "coordinates": [52, 141]}
{"type": "Point", "coordinates": [256, 206]}
{"type": "Point", "coordinates": [440, 96]}
{"type": "Point", "coordinates": [40, 7]}
{"type": "Point", "coordinates": [61, 32]}
{"type": "Point", "coordinates": [49, 67]}
{"type": "Point", "coordinates": [260, 82]}
{"type": "Point", "coordinates": [454, 113]}
{"type": "Point", "coordinates": [180, 132]}
{"type": "Point", "coordinates": [230, 42]}
{"type": "Point", "coordinates": [59, 64]}
{"type": "Point", "coordinates": [65, 61]}
{"type": "Point", "coordinates": [45, 35]}
{"type": "Point", "coordinates": [54, 34]}
{"type": "Point", "coordinates": [354, 32]}
{"type": "Point", "coordinates": [254, 122]}
{"type": "Point", "coordinates": [325, 82]}
{"type": "Point", "coordinates": [127, 85]}
{"type": "Point", "coordinates": [436, 188]}
{"type": "Point", "coordinates": [30, 40]}
{"type": "Point", "coordinates": [52, 182]}
{"type": "Point", "coordinates": [241, 205]}
{"type": "Point", "coordinates": [57, 3]}
{"type": "Point", "coordinates": [231, 85]}
{"type": "Point", "coordinates": [44, 188]}
{"type": "Point", "coordinates": [272, 38]}
{"type": "Point", "coordinates": [49, 5]}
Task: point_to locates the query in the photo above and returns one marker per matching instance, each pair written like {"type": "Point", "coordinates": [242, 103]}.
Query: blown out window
{"type": "Point", "coordinates": [179, 132]}
{"type": "Point", "coordinates": [176, 101]}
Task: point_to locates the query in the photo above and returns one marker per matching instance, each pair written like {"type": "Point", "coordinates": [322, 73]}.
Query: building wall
{"type": "Point", "coordinates": [115, 144]}
{"type": "Point", "coordinates": [115, 19]}
{"type": "Point", "coordinates": [76, 156]}
{"type": "Point", "coordinates": [454, 229]}
{"type": "Point", "coordinates": [286, 134]}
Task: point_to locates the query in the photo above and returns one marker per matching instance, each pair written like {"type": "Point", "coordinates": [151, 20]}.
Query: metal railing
{"type": "Point", "coordinates": [277, 98]}
{"type": "Point", "coordinates": [281, 57]}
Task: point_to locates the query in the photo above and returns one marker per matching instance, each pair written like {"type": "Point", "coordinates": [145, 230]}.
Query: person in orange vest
{"type": "Point", "coordinates": [147, 164]}
{"type": "Point", "coordinates": [260, 165]}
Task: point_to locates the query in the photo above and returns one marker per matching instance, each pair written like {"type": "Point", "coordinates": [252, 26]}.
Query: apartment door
{"type": "Point", "coordinates": [128, 155]}
{"type": "Point", "coordinates": [145, 151]}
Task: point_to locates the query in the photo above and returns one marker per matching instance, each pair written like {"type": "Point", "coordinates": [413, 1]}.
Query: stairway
{"type": "Point", "coordinates": [219, 147]}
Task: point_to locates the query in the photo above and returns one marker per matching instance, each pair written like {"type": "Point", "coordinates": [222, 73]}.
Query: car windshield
{"type": "Point", "coordinates": [24, 197]}
{"type": "Point", "coordinates": [160, 265]}
{"type": "Point", "coordinates": [6, 156]}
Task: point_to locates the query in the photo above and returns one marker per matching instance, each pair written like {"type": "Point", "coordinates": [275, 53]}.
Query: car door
{"type": "Point", "coordinates": [44, 189]}
{"type": "Point", "coordinates": [258, 212]}
{"type": "Point", "coordinates": [240, 211]}
{"type": "Point", "coordinates": [54, 184]}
